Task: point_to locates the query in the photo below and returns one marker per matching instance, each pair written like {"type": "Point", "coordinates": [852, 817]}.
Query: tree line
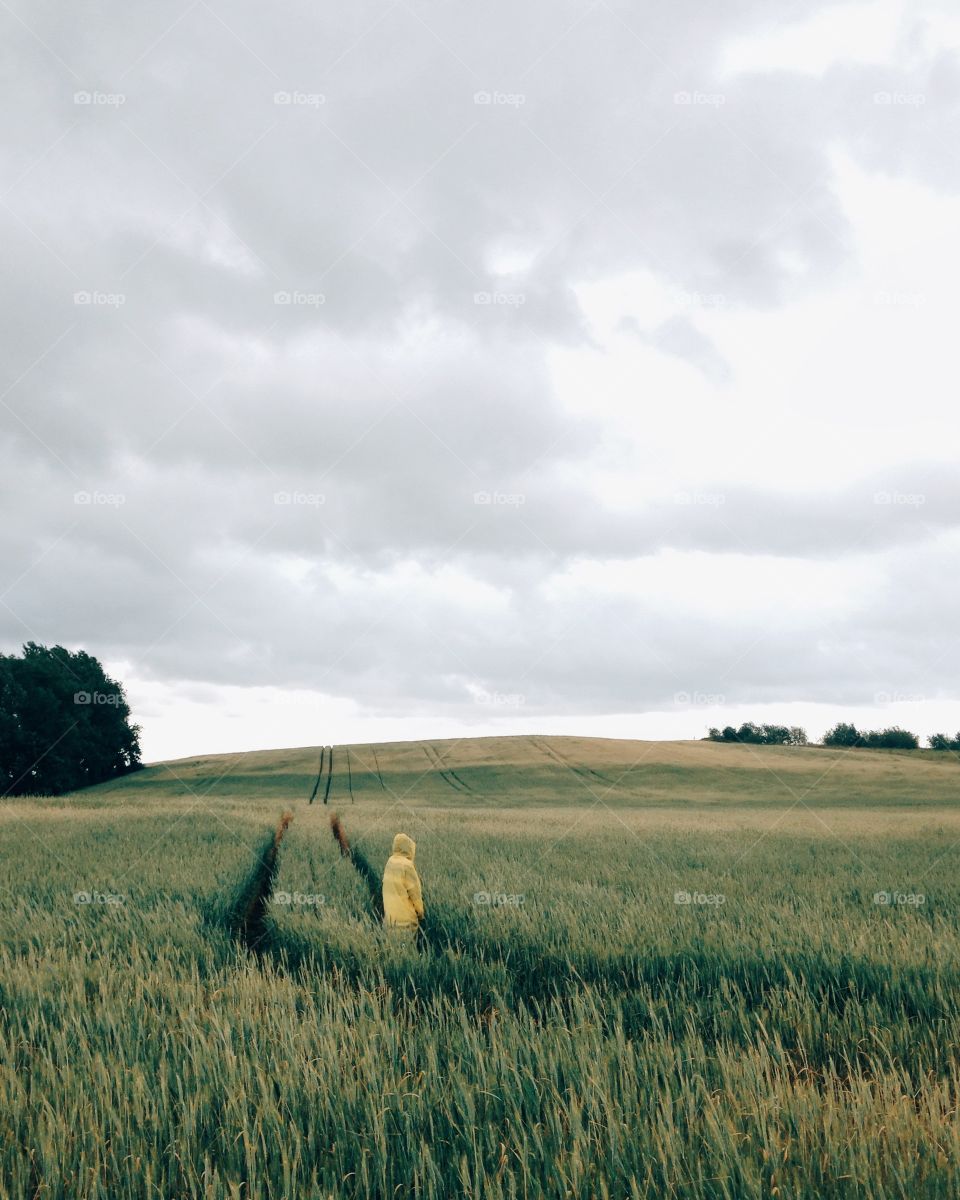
{"type": "Point", "coordinates": [64, 723]}
{"type": "Point", "coordinates": [842, 734]}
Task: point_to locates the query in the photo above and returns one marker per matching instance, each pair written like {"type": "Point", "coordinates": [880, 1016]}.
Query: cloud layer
{"type": "Point", "coordinates": [410, 354]}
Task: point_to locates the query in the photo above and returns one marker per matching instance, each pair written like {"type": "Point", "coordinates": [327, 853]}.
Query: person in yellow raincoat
{"type": "Point", "coordinates": [402, 894]}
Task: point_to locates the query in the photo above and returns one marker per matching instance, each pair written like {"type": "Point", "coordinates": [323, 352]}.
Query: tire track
{"type": "Point", "coordinates": [587, 774]}
{"type": "Point", "coordinates": [248, 915]}
{"type": "Point", "coordinates": [449, 776]}
{"type": "Point", "coordinates": [361, 865]}
{"type": "Point", "coordinates": [316, 786]}
{"type": "Point", "coordinates": [376, 763]}
{"type": "Point", "coordinates": [326, 793]}
{"type": "Point", "coordinates": [449, 771]}
{"type": "Point", "coordinates": [346, 750]}
{"type": "Point", "coordinates": [463, 783]}
{"type": "Point", "coordinates": [326, 760]}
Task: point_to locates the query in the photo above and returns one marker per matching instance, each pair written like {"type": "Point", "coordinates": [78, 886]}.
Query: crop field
{"type": "Point", "coordinates": [649, 970]}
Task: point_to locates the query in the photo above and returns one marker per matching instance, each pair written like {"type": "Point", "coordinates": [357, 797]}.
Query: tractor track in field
{"type": "Point", "coordinates": [248, 917]}
{"type": "Point", "coordinates": [376, 763]}
{"type": "Point", "coordinates": [587, 774]}
{"type": "Point", "coordinates": [329, 783]}
{"type": "Point", "coordinates": [324, 775]}
{"type": "Point", "coordinates": [448, 775]}
{"type": "Point", "coordinates": [316, 786]}
{"type": "Point", "coordinates": [346, 751]}
{"type": "Point", "coordinates": [361, 864]}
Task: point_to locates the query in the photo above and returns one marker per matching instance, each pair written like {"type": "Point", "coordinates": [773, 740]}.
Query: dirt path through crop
{"type": "Point", "coordinates": [587, 774]}
{"type": "Point", "coordinates": [326, 792]}
{"type": "Point", "coordinates": [376, 763]}
{"type": "Point", "coordinates": [324, 775]}
{"type": "Point", "coordinates": [361, 865]}
{"type": "Point", "coordinates": [316, 786]}
{"type": "Point", "coordinates": [248, 918]}
{"type": "Point", "coordinates": [449, 776]}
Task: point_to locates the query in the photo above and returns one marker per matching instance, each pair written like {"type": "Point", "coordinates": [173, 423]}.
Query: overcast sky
{"type": "Point", "coordinates": [398, 369]}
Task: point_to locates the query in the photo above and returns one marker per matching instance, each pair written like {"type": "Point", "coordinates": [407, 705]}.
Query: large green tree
{"type": "Point", "coordinates": [64, 723]}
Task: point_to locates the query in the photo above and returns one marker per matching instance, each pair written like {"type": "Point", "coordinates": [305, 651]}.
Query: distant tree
{"type": "Point", "coordinates": [774, 735]}
{"type": "Point", "coordinates": [842, 734]}
{"type": "Point", "coordinates": [64, 723]}
{"type": "Point", "coordinates": [728, 733]}
{"type": "Point", "coordinates": [760, 735]}
{"type": "Point", "coordinates": [940, 741]}
{"type": "Point", "coordinates": [892, 738]}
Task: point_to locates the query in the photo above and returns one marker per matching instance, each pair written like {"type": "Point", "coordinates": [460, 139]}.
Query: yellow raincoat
{"type": "Point", "coordinates": [402, 895]}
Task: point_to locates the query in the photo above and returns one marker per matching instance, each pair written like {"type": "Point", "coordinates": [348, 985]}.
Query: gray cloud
{"type": "Point", "coordinates": [427, 194]}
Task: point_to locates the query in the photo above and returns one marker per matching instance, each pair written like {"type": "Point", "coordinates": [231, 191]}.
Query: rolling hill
{"type": "Point", "coordinates": [551, 770]}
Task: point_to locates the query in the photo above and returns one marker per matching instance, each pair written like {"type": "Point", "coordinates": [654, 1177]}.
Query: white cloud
{"type": "Point", "coordinates": [722, 331]}
{"type": "Point", "coordinates": [838, 34]}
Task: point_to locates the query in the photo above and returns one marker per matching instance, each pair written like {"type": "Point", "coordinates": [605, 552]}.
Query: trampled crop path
{"type": "Point", "coordinates": [324, 775]}
{"type": "Point", "coordinates": [447, 774]}
{"type": "Point", "coordinates": [587, 774]}
{"type": "Point", "coordinates": [248, 915]}
{"type": "Point", "coordinates": [361, 864]}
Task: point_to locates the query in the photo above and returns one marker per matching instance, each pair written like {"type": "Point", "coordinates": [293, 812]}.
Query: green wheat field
{"type": "Point", "coordinates": [672, 969]}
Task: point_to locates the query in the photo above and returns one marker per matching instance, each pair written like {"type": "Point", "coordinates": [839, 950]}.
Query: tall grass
{"type": "Point", "coordinates": [589, 1037]}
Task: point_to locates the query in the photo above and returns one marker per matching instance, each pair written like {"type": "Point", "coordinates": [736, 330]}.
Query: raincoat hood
{"type": "Point", "coordinates": [404, 845]}
{"type": "Point", "coordinates": [402, 892]}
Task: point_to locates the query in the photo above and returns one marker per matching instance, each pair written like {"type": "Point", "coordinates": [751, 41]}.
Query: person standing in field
{"type": "Point", "coordinates": [402, 893]}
